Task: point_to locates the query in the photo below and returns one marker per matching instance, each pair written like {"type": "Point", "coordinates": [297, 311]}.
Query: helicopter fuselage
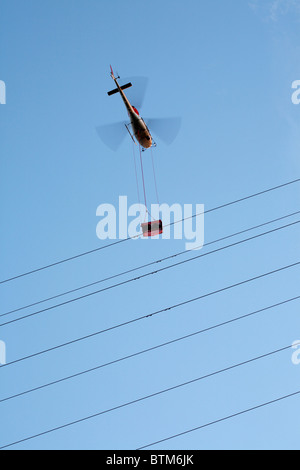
{"type": "Point", "coordinates": [139, 127]}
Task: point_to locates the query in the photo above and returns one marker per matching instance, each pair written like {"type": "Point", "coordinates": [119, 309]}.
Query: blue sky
{"type": "Point", "coordinates": [226, 68]}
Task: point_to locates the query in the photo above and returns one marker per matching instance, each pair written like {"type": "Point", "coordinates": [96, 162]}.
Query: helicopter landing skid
{"type": "Point", "coordinates": [130, 134]}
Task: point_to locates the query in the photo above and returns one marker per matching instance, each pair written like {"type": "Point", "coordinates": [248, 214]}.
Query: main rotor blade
{"type": "Point", "coordinates": [136, 93]}
{"type": "Point", "coordinates": [165, 128]}
{"type": "Point", "coordinates": [112, 135]}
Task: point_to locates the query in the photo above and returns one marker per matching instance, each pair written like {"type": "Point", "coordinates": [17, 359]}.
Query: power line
{"type": "Point", "coordinates": [130, 356]}
{"type": "Point", "coordinates": [236, 201]}
{"type": "Point", "coordinates": [239, 413]}
{"type": "Point", "coordinates": [145, 265]}
{"type": "Point", "coordinates": [160, 392]}
{"type": "Point", "coordinates": [148, 274]}
{"type": "Point", "coordinates": [120, 325]}
{"type": "Point", "coordinates": [130, 238]}
{"type": "Point", "coordinates": [65, 260]}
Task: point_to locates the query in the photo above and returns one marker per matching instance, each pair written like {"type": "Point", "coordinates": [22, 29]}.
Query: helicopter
{"type": "Point", "coordinates": [139, 127]}
{"type": "Point", "coordinates": [112, 135]}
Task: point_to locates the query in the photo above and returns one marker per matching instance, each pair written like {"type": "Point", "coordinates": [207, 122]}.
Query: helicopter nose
{"type": "Point", "coordinates": [148, 141]}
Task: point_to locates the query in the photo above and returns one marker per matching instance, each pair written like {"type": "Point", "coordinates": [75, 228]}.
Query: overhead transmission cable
{"type": "Point", "coordinates": [150, 273]}
{"type": "Point", "coordinates": [174, 255]}
{"type": "Point", "coordinates": [130, 356]}
{"type": "Point", "coordinates": [56, 263]}
{"type": "Point", "coordinates": [225, 418]}
{"type": "Point", "coordinates": [157, 312]}
{"type": "Point", "coordinates": [160, 392]}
